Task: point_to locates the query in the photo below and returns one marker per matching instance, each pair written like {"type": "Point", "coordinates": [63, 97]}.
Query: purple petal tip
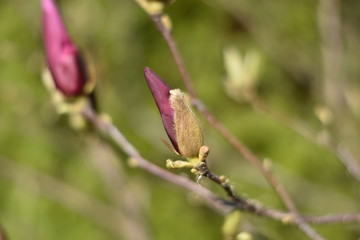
{"type": "Point", "coordinates": [161, 93]}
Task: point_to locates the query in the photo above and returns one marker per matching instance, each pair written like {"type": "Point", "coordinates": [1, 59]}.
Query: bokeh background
{"type": "Point", "coordinates": [59, 183]}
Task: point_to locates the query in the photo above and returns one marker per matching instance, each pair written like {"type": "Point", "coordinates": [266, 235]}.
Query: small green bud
{"type": "Point", "coordinates": [166, 21]}
{"type": "Point", "coordinates": [232, 224]}
{"type": "Point", "coordinates": [244, 236]}
{"type": "Point", "coordinates": [203, 153]}
{"type": "Point", "coordinates": [324, 114]}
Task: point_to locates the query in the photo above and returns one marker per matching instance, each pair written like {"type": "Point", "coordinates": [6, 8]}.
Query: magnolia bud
{"type": "Point", "coordinates": [179, 121]}
{"type": "Point", "coordinates": [63, 58]}
{"type": "Point", "coordinates": [161, 93]}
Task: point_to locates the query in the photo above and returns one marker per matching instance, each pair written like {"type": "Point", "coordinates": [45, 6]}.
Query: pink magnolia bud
{"type": "Point", "coordinates": [180, 123]}
{"type": "Point", "coordinates": [161, 93]}
{"type": "Point", "coordinates": [63, 58]}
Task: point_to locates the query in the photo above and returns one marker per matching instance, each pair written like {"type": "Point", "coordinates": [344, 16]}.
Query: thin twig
{"type": "Point", "coordinates": [347, 158]}
{"type": "Point", "coordinates": [334, 218]}
{"type": "Point", "coordinates": [329, 21]}
{"type": "Point", "coordinates": [166, 33]}
{"type": "Point", "coordinates": [302, 224]}
{"type": "Point", "coordinates": [245, 206]}
{"type": "Point", "coordinates": [340, 151]}
{"type": "Point", "coordinates": [240, 202]}
{"type": "Point", "coordinates": [114, 179]}
{"type": "Point", "coordinates": [211, 200]}
{"type": "Point", "coordinates": [239, 146]}
{"type": "Point", "coordinates": [330, 28]}
{"type": "Point", "coordinates": [222, 206]}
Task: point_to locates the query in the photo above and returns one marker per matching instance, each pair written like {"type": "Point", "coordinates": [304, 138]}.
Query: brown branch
{"type": "Point", "coordinates": [222, 206]}
{"type": "Point", "coordinates": [241, 203]}
{"type": "Point", "coordinates": [239, 146]}
{"type": "Point", "coordinates": [244, 206]}
{"type": "Point", "coordinates": [166, 33]}
{"type": "Point", "coordinates": [210, 199]}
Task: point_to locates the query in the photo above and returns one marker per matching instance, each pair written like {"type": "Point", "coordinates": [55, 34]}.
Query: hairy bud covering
{"type": "Point", "coordinates": [187, 127]}
{"type": "Point", "coordinates": [180, 123]}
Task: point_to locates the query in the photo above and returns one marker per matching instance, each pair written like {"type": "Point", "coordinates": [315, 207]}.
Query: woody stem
{"type": "Point", "coordinates": [240, 202]}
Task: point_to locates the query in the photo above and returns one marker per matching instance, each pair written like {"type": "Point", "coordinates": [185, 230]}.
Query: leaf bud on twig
{"type": "Point", "coordinates": [242, 73]}
{"type": "Point", "coordinates": [231, 226]}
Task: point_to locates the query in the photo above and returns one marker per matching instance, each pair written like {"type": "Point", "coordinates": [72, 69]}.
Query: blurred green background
{"type": "Point", "coordinates": [58, 183]}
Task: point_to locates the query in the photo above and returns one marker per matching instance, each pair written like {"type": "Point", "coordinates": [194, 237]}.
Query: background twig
{"type": "Point", "coordinates": [339, 150]}
{"type": "Point", "coordinates": [120, 190]}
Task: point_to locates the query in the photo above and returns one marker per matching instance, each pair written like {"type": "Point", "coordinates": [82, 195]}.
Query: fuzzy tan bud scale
{"type": "Point", "coordinates": [187, 126]}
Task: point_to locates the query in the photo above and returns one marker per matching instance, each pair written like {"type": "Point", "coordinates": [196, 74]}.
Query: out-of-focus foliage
{"type": "Point", "coordinates": [119, 40]}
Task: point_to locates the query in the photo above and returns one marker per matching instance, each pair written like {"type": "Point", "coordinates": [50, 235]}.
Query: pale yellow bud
{"type": "Point", "coordinates": [324, 114]}
{"type": "Point", "coordinates": [242, 73]}
{"type": "Point", "coordinates": [244, 236]}
{"type": "Point", "coordinates": [151, 7]}
{"type": "Point", "coordinates": [166, 21]}
{"type": "Point", "coordinates": [232, 224]}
